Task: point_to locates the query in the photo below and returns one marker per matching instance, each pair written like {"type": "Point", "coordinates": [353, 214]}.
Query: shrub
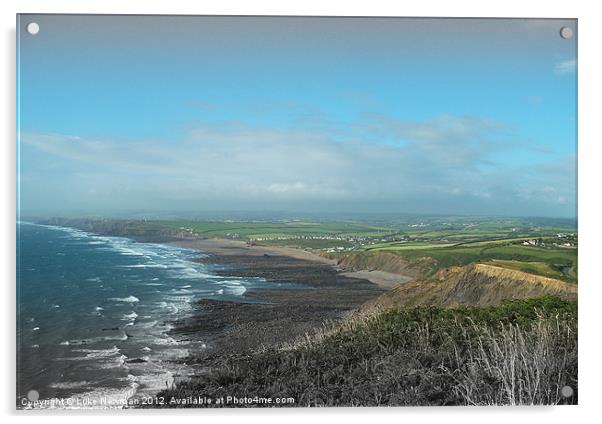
{"type": "Point", "coordinates": [521, 352]}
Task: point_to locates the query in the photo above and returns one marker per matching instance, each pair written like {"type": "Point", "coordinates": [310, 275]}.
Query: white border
{"type": "Point", "coordinates": [590, 70]}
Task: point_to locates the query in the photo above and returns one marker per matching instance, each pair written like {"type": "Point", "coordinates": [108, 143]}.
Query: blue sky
{"type": "Point", "coordinates": [120, 113]}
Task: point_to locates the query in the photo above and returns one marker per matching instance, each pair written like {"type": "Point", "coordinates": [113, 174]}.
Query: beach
{"type": "Point", "coordinates": [314, 292]}
{"type": "Point", "coordinates": [146, 313]}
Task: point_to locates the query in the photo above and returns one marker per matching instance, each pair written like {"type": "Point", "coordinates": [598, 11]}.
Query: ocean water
{"type": "Point", "coordinates": [94, 313]}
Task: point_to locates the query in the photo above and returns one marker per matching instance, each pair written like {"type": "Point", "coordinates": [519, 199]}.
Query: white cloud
{"type": "Point", "coordinates": [421, 166]}
{"type": "Point", "coordinates": [565, 67]}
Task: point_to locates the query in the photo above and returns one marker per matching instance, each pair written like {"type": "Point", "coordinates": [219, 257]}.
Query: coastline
{"type": "Point", "coordinates": [282, 296]}
{"type": "Point", "coordinates": [225, 247]}
{"type": "Point", "coordinates": [112, 346]}
{"type": "Point", "coordinates": [313, 293]}
{"type": "Point", "coordinates": [220, 246]}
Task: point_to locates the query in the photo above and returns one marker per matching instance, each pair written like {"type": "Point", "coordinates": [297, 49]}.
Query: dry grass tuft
{"type": "Point", "coordinates": [518, 353]}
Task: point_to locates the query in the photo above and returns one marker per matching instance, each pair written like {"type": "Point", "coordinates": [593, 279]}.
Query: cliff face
{"type": "Point", "coordinates": [385, 261]}
{"type": "Point", "coordinates": [471, 285]}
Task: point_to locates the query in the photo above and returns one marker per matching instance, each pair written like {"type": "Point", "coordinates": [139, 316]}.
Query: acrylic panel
{"type": "Point", "coordinates": [222, 211]}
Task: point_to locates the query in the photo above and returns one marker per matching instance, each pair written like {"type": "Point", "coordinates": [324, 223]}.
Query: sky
{"type": "Point", "coordinates": [391, 115]}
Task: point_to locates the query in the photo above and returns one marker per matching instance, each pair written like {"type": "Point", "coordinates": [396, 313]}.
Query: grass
{"type": "Point", "coordinates": [439, 232]}
{"type": "Point", "coordinates": [307, 243]}
{"type": "Point", "coordinates": [397, 246]}
{"type": "Point", "coordinates": [538, 268]}
{"type": "Point", "coordinates": [450, 241]}
{"type": "Point", "coordinates": [554, 262]}
{"type": "Point", "coordinates": [518, 353]}
{"type": "Point", "coordinates": [254, 230]}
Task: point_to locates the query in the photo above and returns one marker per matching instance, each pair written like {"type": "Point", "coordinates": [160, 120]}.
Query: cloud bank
{"type": "Point", "coordinates": [378, 163]}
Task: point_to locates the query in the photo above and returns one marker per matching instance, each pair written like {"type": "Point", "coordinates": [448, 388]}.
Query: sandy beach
{"type": "Point", "coordinates": [224, 247]}
{"type": "Point", "coordinates": [217, 246]}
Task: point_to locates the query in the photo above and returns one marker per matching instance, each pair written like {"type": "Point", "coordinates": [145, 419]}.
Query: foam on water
{"type": "Point", "coordinates": [116, 329]}
{"type": "Point", "coordinates": [130, 316]}
{"type": "Point", "coordinates": [129, 299]}
{"type": "Point", "coordinates": [70, 384]}
{"type": "Point", "coordinates": [98, 353]}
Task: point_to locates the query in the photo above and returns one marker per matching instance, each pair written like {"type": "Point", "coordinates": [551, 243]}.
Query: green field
{"type": "Point", "coordinates": [256, 230]}
{"type": "Point", "coordinates": [449, 241]}
{"type": "Point", "coordinates": [554, 262]}
{"type": "Point", "coordinates": [440, 230]}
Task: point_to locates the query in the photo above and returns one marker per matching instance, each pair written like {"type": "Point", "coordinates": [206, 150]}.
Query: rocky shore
{"type": "Point", "coordinates": [313, 292]}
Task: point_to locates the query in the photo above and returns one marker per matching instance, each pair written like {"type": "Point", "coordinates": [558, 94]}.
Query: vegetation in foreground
{"type": "Point", "coordinates": [518, 353]}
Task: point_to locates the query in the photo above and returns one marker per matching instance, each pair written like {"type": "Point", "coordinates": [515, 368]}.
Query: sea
{"type": "Point", "coordinates": [94, 315]}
